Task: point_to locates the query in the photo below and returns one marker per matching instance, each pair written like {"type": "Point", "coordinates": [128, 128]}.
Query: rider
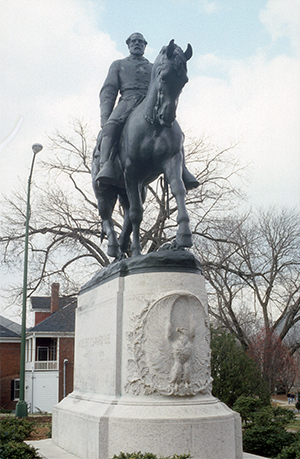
{"type": "Point", "coordinates": [130, 77]}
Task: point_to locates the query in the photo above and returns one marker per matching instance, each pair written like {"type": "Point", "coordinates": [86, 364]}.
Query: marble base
{"type": "Point", "coordinates": [99, 428]}
{"type": "Point", "coordinates": [142, 367]}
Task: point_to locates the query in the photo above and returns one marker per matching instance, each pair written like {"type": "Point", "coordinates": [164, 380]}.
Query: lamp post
{"type": "Point", "coordinates": [21, 408]}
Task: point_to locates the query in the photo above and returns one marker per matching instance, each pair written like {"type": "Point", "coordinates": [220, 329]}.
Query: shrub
{"type": "Point", "coordinates": [13, 432]}
{"type": "Point", "coordinates": [266, 440]}
{"type": "Point", "coordinates": [291, 452]}
{"type": "Point", "coordinates": [17, 450]}
{"type": "Point", "coordinates": [247, 407]}
{"type": "Point", "coordinates": [14, 429]}
{"type": "Point", "coordinates": [252, 409]}
{"type": "Point", "coordinates": [278, 416]}
{"type": "Point", "coordinates": [140, 455]}
{"type": "Point", "coordinates": [265, 433]}
{"type": "Point", "coordinates": [282, 416]}
{"type": "Point", "coordinates": [5, 411]}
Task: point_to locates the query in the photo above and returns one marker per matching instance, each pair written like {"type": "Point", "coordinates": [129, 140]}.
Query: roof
{"type": "Point", "coordinates": [9, 329]}
{"type": "Point", "coordinates": [44, 302]}
{"type": "Point", "coordinates": [61, 321]}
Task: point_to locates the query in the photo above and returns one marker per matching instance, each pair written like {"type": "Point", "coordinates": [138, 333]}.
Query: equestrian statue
{"type": "Point", "coordinates": [140, 139]}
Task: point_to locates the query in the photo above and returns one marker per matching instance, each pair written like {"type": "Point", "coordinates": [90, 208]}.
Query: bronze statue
{"type": "Point", "coordinates": [140, 139]}
{"type": "Point", "coordinates": [130, 77]}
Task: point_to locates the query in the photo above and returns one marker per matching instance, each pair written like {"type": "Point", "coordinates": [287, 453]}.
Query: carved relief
{"type": "Point", "coordinates": [169, 345]}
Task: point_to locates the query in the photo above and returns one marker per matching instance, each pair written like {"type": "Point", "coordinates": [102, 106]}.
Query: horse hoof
{"type": "Point", "coordinates": [113, 251]}
{"type": "Point", "coordinates": [136, 252]}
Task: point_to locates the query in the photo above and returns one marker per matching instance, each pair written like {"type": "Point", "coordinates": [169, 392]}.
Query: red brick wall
{"type": "Point", "coordinates": [9, 370]}
{"type": "Point", "coordinates": [66, 351]}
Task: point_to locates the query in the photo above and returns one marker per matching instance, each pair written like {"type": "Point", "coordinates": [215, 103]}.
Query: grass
{"type": "Point", "coordinates": [42, 427]}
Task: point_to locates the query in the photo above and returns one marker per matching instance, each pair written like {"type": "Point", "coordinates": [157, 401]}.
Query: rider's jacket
{"type": "Point", "coordinates": [130, 77]}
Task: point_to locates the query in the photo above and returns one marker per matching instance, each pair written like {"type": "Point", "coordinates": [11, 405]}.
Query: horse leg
{"type": "Point", "coordinates": [134, 192]}
{"type": "Point", "coordinates": [127, 227]}
{"type": "Point", "coordinates": [173, 174]}
{"type": "Point", "coordinates": [113, 248]}
{"type": "Point", "coordinates": [106, 201]}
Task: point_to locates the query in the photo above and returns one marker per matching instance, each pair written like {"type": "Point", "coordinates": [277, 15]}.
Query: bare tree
{"type": "Point", "coordinates": [252, 265]}
{"type": "Point", "coordinates": [65, 229]}
{"type": "Point", "coordinates": [278, 367]}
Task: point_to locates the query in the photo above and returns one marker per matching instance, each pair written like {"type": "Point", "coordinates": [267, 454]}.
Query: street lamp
{"type": "Point", "coordinates": [21, 408]}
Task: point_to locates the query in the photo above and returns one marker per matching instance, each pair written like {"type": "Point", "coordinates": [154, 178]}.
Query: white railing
{"type": "Point", "coordinates": [46, 365]}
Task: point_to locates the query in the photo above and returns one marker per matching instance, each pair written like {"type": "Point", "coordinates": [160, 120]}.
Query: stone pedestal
{"type": "Point", "coordinates": [142, 366]}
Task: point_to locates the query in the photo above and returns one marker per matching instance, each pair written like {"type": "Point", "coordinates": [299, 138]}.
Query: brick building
{"type": "Point", "coordinates": [49, 364]}
{"type": "Point", "coordinates": [49, 353]}
{"type": "Point", "coordinates": [10, 347]}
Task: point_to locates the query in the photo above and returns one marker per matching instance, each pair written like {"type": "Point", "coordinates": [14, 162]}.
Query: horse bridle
{"type": "Point", "coordinates": [179, 69]}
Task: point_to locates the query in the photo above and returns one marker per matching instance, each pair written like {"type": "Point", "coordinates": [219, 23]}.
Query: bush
{"type": "Point", "coordinates": [17, 450]}
{"type": "Point", "coordinates": [282, 416]}
{"type": "Point", "coordinates": [5, 411]}
{"type": "Point", "coordinates": [271, 416]}
{"type": "Point", "coordinates": [247, 407]}
{"type": "Point", "coordinates": [140, 455]}
{"type": "Point", "coordinates": [252, 410]}
{"type": "Point", "coordinates": [13, 432]}
{"type": "Point", "coordinates": [265, 433]}
{"type": "Point", "coordinates": [291, 452]}
{"type": "Point", "coordinates": [266, 440]}
{"type": "Point", "coordinates": [14, 429]}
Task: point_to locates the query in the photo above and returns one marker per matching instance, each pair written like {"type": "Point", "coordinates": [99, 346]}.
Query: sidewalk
{"type": "Point", "coordinates": [48, 450]}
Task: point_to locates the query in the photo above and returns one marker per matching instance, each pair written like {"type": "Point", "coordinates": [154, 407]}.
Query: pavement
{"type": "Point", "coordinates": [48, 450]}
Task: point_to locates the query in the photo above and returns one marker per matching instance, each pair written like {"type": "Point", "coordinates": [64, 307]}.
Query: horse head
{"type": "Point", "coordinates": [170, 74]}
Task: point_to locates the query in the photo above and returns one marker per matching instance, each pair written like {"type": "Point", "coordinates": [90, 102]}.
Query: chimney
{"type": "Point", "coordinates": [54, 297]}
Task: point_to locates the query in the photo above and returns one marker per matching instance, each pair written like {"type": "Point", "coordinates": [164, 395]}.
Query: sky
{"type": "Point", "coordinates": [244, 77]}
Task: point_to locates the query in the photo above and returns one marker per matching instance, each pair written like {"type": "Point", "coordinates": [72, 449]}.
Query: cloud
{"type": "Point", "coordinates": [208, 6]}
{"type": "Point", "coordinates": [282, 19]}
{"type": "Point", "coordinates": [257, 105]}
{"type": "Point", "coordinates": [54, 60]}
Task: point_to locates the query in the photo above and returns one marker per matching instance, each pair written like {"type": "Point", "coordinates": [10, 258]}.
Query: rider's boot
{"type": "Point", "coordinates": [189, 179]}
{"type": "Point", "coordinates": [106, 175]}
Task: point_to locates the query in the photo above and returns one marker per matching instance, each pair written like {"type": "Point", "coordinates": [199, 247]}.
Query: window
{"type": "Point", "coordinates": [29, 350]}
{"type": "Point", "coordinates": [42, 353]}
{"type": "Point", "coordinates": [16, 389]}
{"type": "Point", "coordinates": [46, 349]}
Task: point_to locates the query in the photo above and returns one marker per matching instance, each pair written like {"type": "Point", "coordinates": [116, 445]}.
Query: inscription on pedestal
{"type": "Point", "coordinates": [95, 341]}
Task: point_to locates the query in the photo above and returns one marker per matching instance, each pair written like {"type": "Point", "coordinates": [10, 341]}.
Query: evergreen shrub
{"type": "Point", "coordinates": [140, 455]}
{"type": "Point", "coordinates": [13, 432]}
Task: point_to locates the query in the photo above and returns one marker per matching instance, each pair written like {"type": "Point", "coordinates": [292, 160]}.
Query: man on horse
{"type": "Point", "coordinates": [130, 77]}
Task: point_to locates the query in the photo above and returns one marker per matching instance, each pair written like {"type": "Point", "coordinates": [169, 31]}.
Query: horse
{"type": "Point", "coordinates": [151, 144]}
